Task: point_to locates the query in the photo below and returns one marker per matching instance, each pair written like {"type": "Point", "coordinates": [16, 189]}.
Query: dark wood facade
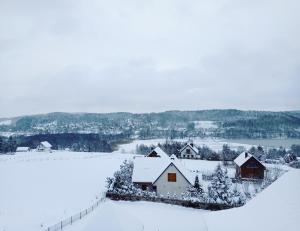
{"type": "Point", "coordinates": [153, 154]}
{"type": "Point", "coordinates": [251, 169]}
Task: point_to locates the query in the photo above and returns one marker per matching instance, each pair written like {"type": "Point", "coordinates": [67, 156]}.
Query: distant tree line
{"type": "Point", "coordinates": [72, 141]}
{"type": "Point", "coordinates": [171, 124]}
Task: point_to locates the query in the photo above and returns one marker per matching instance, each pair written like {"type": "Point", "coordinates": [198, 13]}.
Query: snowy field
{"type": "Point", "coordinates": [40, 189]}
{"type": "Point", "coordinates": [43, 188]}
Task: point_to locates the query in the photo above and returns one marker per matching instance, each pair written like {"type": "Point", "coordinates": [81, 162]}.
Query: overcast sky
{"type": "Point", "coordinates": [148, 55]}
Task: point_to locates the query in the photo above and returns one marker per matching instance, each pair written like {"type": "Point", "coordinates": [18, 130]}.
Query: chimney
{"type": "Point", "coordinates": [192, 144]}
{"type": "Point", "coordinates": [246, 154]}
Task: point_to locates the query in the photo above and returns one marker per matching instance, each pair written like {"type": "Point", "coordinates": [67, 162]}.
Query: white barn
{"type": "Point", "coordinates": [23, 149]}
{"type": "Point", "coordinates": [44, 146]}
{"type": "Point", "coordinates": [189, 151]}
{"type": "Point", "coordinates": [165, 176]}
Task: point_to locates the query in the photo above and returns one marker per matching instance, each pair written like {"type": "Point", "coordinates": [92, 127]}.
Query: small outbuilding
{"type": "Point", "coordinates": [44, 146]}
{"type": "Point", "coordinates": [23, 149]}
{"type": "Point", "coordinates": [249, 167]}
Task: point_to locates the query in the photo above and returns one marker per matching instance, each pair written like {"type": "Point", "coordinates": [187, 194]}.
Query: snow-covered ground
{"type": "Point", "coordinates": [5, 122]}
{"type": "Point", "coordinates": [142, 216]}
{"type": "Point", "coordinates": [202, 124]}
{"type": "Point", "coordinates": [44, 188]}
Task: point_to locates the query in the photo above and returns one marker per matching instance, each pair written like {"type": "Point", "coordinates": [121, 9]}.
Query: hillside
{"type": "Point", "coordinates": [218, 123]}
{"type": "Point", "coordinates": [277, 208]}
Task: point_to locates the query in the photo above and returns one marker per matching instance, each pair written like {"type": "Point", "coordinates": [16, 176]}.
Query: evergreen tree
{"type": "Point", "coordinates": [122, 180]}
{"type": "Point", "coordinates": [220, 189]}
{"type": "Point", "coordinates": [225, 154]}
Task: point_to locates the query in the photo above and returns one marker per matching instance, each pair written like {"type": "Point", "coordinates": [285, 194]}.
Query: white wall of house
{"type": "Point", "coordinates": [163, 186]}
{"type": "Point", "coordinates": [188, 152]}
{"type": "Point", "coordinates": [42, 148]}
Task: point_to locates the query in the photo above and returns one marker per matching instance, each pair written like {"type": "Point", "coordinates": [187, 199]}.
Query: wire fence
{"type": "Point", "coordinates": [69, 221]}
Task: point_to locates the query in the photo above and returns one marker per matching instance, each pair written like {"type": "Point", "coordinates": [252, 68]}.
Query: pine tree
{"type": "Point", "coordinates": [198, 187]}
{"type": "Point", "coordinates": [220, 189]}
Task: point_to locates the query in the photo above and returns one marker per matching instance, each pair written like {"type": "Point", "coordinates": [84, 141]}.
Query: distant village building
{"type": "Point", "coordinates": [157, 152]}
{"type": "Point", "coordinates": [248, 167]}
{"type": "Point", "coordinates": [189, 151]}
{"type": "Point", "coordinates": [23, 149]}
{"type": "Point", "coordinates": [44, 146]}
{"type": "Point", "coordinates": [165, 176]}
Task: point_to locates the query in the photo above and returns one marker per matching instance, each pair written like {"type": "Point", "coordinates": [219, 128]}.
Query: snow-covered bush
{"type": "Point", "coordinates": [195, 192]}
{"type": "Point", "coordinates": [121, 182]}
{"type": "Point", "coordinates": [290, 157]}
{"type": "Point", "coordinates": [273, 173]}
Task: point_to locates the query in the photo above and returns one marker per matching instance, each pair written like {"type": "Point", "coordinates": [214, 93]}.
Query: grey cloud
{"type": "Point", "coordinates": [148, 56]}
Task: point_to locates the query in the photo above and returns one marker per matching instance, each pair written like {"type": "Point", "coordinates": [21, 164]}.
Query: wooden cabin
{"type": "Point", "coordinates": [248, 167]}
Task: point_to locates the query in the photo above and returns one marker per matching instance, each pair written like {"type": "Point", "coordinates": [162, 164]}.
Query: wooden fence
{"type": "Point", "coordinates": [69, 221]}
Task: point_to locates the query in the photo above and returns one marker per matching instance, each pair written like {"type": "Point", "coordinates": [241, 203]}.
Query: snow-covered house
{"type": "Point", "coordinates": [189, 151]}
{"type": "Point", "coordinates": [44, 146]}
{"type": "Point", "coordinates": [249, 167]}
{"type": "Point", "coordinates": [23, 149]}
{"type": "Point", "coordinates": [165, 176]}
{"type": "Point", "coordinates": [157, 152]}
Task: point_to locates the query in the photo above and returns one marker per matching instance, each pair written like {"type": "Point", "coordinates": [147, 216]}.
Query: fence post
{"type": "Point", "coordinates": [71, 220]}
{"type": "Point", "coordinates": [86, 212]}
{"type": "Point", "coordinates": [61, 225]}
{"type": "Point", "coordinates": [80, 215]}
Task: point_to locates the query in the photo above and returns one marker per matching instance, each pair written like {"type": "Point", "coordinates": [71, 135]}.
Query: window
{"type": "Point", "coordinates": [171, 177]}
{"type": "Point", "coordinates": [188, 151]}
{"type": "Point", "coordinates": [154, 188]}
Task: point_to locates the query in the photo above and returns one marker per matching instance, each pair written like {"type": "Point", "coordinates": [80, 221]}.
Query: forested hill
{"type": "Point", "coordinates": [218, 123]}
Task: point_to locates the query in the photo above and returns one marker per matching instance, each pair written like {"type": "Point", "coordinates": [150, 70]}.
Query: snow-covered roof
{"type": "Point", "coordinates": [185, 172]}
{"type": "Point", "coordinates": [173, 157]}
{"type": "Point", "coordinates": [159, 152]}
{"type": "Point", "coordinates": [148, 170]}
{"type": "Point", "coordinates": [46, 144]}
{"type": "Point", "coordinates": [243, 158]}
{"type": "Point", "coordinates": [22, 149]}
{"type": "Point", "coordinates": [192, 146]}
